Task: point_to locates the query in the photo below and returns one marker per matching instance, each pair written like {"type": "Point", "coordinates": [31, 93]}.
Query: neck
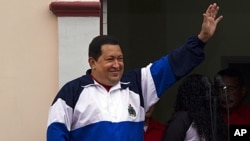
{"type": "Point", "coordinates": [105, 86]}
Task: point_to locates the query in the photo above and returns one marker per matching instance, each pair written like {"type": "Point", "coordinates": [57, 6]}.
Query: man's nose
{"type": "Point", "coordinates": [116, 63]}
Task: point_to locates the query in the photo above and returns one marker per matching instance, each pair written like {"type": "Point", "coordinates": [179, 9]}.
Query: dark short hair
{"type": "Point", "coordinates": [96, 44]}
{"type": "Point", "coordinates": [231, 72]}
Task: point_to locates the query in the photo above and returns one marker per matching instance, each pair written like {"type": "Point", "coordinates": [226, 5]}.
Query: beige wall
{"type": "Point", "coordinates": [28, 68]}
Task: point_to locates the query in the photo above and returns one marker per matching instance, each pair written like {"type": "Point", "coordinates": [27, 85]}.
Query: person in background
{"type": "Point", "coordinates": [107, 104]}
{"type": "Point", "coordinates": [232, 89]}
{"type": "Point", "coordinates": [153, 129]}
{"type": "Point", "coordinates": [197, 116]}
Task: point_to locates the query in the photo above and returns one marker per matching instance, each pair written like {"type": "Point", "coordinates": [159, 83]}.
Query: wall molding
{"type": "Point", "coordinates": [76, 8]}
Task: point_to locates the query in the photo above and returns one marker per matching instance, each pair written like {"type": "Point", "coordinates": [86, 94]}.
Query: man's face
{"type": "Point", "coordinates": [109, 67]}
{"type": "Point", "coordinates": [233, 93]}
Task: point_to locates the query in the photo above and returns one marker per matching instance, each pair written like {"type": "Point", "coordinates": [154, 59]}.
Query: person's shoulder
{"type": "Point", "coordinates": [133, 74]}
{"type": "Point", "coordinates": [245, 108]}
{"type": "Point", "coordinates": [181, 114]}
{"type": "Point", "coordinates": [181, 117]}
{"type": "Point", "coordinates": [79, 81]}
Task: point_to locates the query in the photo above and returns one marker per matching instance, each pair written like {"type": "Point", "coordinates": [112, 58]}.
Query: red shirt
{"type": "Point", "coordinates": [239, 116]}
{"type": "Point", "coordinates": [155, 131]}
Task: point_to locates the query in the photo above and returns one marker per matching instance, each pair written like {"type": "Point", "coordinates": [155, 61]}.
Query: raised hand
{"type": "Point", "coordinates": [210, 22]}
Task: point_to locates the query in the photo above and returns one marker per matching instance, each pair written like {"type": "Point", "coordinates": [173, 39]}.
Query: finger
{"type": "Point", "coordinates": [209, 9]}
{"type": "Point", "coordinates": [204, 17]}
{"type": "Point", "coordinates": [216, 10]}
{"type": "Point", "coordinates": [218, 19]}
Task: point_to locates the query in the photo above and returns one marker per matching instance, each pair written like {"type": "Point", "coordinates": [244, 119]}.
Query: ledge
{"type": "Point", "coordinates": [76, 8]}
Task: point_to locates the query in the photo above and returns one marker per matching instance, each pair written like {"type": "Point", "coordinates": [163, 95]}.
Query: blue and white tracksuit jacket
{"type": "Point", "coordinates": [84, 111]}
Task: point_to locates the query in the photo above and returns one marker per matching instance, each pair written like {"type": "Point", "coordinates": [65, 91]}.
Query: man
{"type": "Point", "coordinates": [109, 105]}
{"type": "Point", "coordinates": [232, 89]}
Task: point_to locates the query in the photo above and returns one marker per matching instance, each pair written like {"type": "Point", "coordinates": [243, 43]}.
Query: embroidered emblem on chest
{"type": "Point", "coordinates": [131, 111]}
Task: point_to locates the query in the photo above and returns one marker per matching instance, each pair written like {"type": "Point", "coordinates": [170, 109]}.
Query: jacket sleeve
{"type": "Point", "coordinates": [57, 132]}
{"type": "Point", "coordinates": [60, 117]}
{"type": "Point", "coordinates": [185, 58]}
{"type": "Point", "coordinates": [61, 112]}
{"type": "Point", "coordinates": [178, 63]}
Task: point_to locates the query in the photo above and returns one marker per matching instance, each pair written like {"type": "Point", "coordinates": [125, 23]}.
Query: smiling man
{"type": "Point", "coordinates": [106, 104]}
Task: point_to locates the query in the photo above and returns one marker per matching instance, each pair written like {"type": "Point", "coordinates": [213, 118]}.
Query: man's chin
{"type": "Point", "coordinates": [115, 80]}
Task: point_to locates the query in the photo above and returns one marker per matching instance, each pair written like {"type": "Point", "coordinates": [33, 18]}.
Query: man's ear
{"type": "Point", "coordinates": [244, 91]}
{"type": "Point", "coordinates": [92, 62]}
